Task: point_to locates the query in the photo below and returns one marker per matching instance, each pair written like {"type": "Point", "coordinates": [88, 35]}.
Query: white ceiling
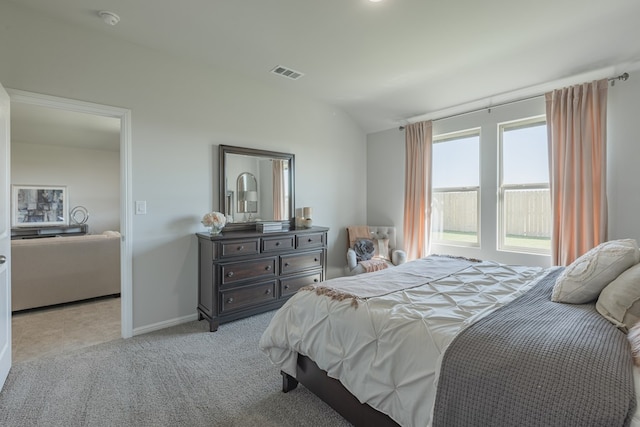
{"type": "Point", "coordinates": [386, 62]}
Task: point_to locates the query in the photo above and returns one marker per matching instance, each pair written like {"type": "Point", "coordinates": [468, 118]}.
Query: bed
{"type": "Point", "coordinates": [388, 348]}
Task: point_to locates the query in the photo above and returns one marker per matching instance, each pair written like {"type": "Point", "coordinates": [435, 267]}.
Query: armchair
{"type": "Point", "coordinates": [383, 241]}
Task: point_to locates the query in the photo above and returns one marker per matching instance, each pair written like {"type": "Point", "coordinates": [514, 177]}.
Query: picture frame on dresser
{"type": "Point", "coordinates": [39, 205]}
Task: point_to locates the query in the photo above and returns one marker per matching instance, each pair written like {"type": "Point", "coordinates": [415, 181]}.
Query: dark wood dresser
{"type": "Point", "coordinates": [242, 273]}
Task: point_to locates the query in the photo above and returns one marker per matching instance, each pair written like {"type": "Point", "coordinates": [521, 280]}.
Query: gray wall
{"type": "Point", "coordinates": [181, 112]}
{"type": "Point", "coordinates": [92, 178]}
{"type": "Point", "coordinates": [623, 156]}
{"type": "Point", "coordinates": [385, 156]}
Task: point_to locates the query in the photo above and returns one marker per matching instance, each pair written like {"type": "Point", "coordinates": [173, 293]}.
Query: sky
{"type": "Point", "coordinates": [456, 163]}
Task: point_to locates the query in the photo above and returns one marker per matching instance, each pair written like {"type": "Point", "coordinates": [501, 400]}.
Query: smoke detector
{"type": "Point", "coordinates": [109, 18]}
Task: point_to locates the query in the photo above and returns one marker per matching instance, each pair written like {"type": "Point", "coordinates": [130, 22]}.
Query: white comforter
{"type": "Point", "coordinates": [386, 349]}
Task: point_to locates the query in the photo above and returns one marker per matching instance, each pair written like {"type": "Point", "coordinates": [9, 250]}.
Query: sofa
{"type": "Point", "coordinates": [56, 270]}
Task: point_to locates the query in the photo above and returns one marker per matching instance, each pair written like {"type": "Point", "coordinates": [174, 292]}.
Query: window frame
{"type": "Point", "coordinates": [452, 136]}
{"type": "Point", "coordinates": [504, 188]}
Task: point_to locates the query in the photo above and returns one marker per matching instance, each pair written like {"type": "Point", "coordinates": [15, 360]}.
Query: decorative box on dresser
{"type": "Point", "coordinates": [242, 273]}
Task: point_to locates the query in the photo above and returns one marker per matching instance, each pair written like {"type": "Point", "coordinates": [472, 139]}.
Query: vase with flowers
{"type": "Point", "coordinates": [214, 221]}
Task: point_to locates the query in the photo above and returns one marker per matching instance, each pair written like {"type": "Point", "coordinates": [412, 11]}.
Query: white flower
{"type": "Point", "coordinates": [216, 219]}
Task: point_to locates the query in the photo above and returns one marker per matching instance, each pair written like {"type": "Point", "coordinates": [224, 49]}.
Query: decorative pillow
{"type": "Point", "coordinates": [381, 248]}
{"type": "Point", "coordinates": [619, 301]}
{"type": "Point", "coordinates": [634, 339]}
{"type": "Point", "coordinates": [582, 281]}
{"type": "Point", "coordinates": [364, 249]}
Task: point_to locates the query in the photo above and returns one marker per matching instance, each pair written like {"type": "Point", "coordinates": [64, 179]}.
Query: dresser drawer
{"type": "Point", "coordinates": [237, 298]}
{"type": "Point", "coordinates": [299, 262]}
{"type": "Point", "coordinates": [290, 285]}
{"type": "Point", "coordinates": [309, 240]}
{"type": "Point", "coordinates": [233, 272]}
{"type": "Point", "coordinates": [277, 244]}
{"type": "Point", "coordinates": [239, 247]}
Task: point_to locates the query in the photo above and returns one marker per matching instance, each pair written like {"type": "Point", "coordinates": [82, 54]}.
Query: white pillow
{"type": "Point", "coordinates": [634, 340]}
{"type": "Point", "coordinates": [619, 301]}
{"type": "Point", "coordinates": [583, 280]}
{"type": "Point", "coordinates": [382, 248]}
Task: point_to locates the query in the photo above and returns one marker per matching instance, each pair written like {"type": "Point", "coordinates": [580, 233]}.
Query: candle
{"type": "Point", "coordinates": [306, 212]}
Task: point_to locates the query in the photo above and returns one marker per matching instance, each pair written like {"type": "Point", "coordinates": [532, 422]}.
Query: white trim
{"type": "Point", "coordinates": [126, 246]}
{"type": "Point", "coordinates": [126, 219]}
{"type": "Point", "coordinates": [165, 324]}
{"type": "Point", "coordinates": [539, 120]}
{"type": "Point", "coordinates": [458, 134]}
{"type": "Point", "coordinates": [6, 358]}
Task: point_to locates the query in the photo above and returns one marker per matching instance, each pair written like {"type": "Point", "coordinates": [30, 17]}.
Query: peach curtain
{"type": "Point", "coordinates": [279, 207]}
{"type": "Point", "coordinates": [576, 127]}
{"type": "Point", "coordinates": [417, 189]}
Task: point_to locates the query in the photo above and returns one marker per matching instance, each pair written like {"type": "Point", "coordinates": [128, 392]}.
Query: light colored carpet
{"type": "Point", "coordinates": [180, 376]}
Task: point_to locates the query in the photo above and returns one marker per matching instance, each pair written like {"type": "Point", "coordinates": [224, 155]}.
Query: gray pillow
{"type": "Point", "coordinates": [364, 249]}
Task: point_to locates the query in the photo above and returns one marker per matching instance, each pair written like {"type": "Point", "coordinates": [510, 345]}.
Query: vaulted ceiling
{"type": "Point", "coordinates": [383, 62]}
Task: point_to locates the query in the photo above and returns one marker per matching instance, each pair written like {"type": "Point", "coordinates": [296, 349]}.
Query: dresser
{"type": "Point", "coordinates": [242, 273]}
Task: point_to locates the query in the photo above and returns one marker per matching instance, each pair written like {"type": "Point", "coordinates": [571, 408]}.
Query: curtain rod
{"type": "Point", "coordinates": [623, 77]}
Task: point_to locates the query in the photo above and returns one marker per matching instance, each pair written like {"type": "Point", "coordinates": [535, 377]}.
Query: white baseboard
{"type": "Point", "coordinates": [165, 324]}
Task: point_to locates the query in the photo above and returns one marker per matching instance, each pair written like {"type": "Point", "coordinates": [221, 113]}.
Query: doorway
{"type": "Point", "coordinates": [70, 119]}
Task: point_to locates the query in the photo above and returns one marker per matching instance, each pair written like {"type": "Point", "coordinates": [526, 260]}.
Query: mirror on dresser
{"type": "Point", "coordinates": [256, 185]}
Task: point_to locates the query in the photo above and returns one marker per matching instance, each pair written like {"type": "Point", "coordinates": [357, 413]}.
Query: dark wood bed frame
{"type": "Point", "coordinates": [332, 392]}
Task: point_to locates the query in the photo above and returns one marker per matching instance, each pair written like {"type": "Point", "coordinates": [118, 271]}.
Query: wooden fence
{"type": "Point", "coordinates": [528, 212]}
{"type": "Point", "coordinates": [455, 211]}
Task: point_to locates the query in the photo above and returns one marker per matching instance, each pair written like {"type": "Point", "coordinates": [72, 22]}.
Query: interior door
{"type": "Point", "coordinates": [5, 239]}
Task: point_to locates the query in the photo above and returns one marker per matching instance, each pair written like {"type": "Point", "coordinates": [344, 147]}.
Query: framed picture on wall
{"type": "Point", "coordinates": [39, 205]}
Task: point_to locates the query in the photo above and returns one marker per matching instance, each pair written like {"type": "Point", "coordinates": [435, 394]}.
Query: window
{"type": "Point", "coordinates": [524, 200]}
{"type": "Point", "coordinates": [456, 188]}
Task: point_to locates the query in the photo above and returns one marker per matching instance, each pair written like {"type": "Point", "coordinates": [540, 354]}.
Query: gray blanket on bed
{"type": "Point", "coordinates": [537, 363]}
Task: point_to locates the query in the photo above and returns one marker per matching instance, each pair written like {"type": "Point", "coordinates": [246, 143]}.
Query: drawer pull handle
{"type": "Point", "coordinates": [286, 286]}
{"type": "Point", "coordinates": [277, 243]}
{"type": "Point", "coordinates": [315, 280]}
{"type": "Point", "coordinates": [230, 274]}
{"type": "Point", "coordinates": [315, 259]}
{"type": "Point", "coordinates": [240, 247]}
{"type": "Point", "coordinates": [229, 301]}
{"type": "Point", "coordinates": [310, 240]}
{"type": "Point", "coordinates": [286, 264]}
{"type": "Point", "coordinates": [268, 267]}
{"type": "Point", "coordinates": [268, 291]}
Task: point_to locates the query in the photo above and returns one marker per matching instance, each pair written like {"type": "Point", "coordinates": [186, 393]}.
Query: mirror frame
{"type": "Point", "coordinates": [223, 150]}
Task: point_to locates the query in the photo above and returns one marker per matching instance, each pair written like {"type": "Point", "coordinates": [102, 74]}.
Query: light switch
{"type": "Point", "coordinates": [141, 207]}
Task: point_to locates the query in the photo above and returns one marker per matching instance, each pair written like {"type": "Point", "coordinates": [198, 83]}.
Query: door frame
{"type": "Point", "coordinates": [6, 357]}
{"type": "Point", "coordinates": [126, 284]}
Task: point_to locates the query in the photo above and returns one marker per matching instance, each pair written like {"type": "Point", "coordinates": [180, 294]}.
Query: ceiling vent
{"type": "Point", "coordinates": [287, 72]}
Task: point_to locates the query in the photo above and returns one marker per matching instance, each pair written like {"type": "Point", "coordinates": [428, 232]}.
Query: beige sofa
{"type": "Point", "coordinates": [57, 270]}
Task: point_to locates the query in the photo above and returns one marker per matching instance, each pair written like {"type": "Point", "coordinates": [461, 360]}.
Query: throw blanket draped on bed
{"type": "Point", "coordinates": [362, 287]}
{"type": "Point", "coordinates": [536, 362]}
{"type": "Point", "coordinates": [372, 265]}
